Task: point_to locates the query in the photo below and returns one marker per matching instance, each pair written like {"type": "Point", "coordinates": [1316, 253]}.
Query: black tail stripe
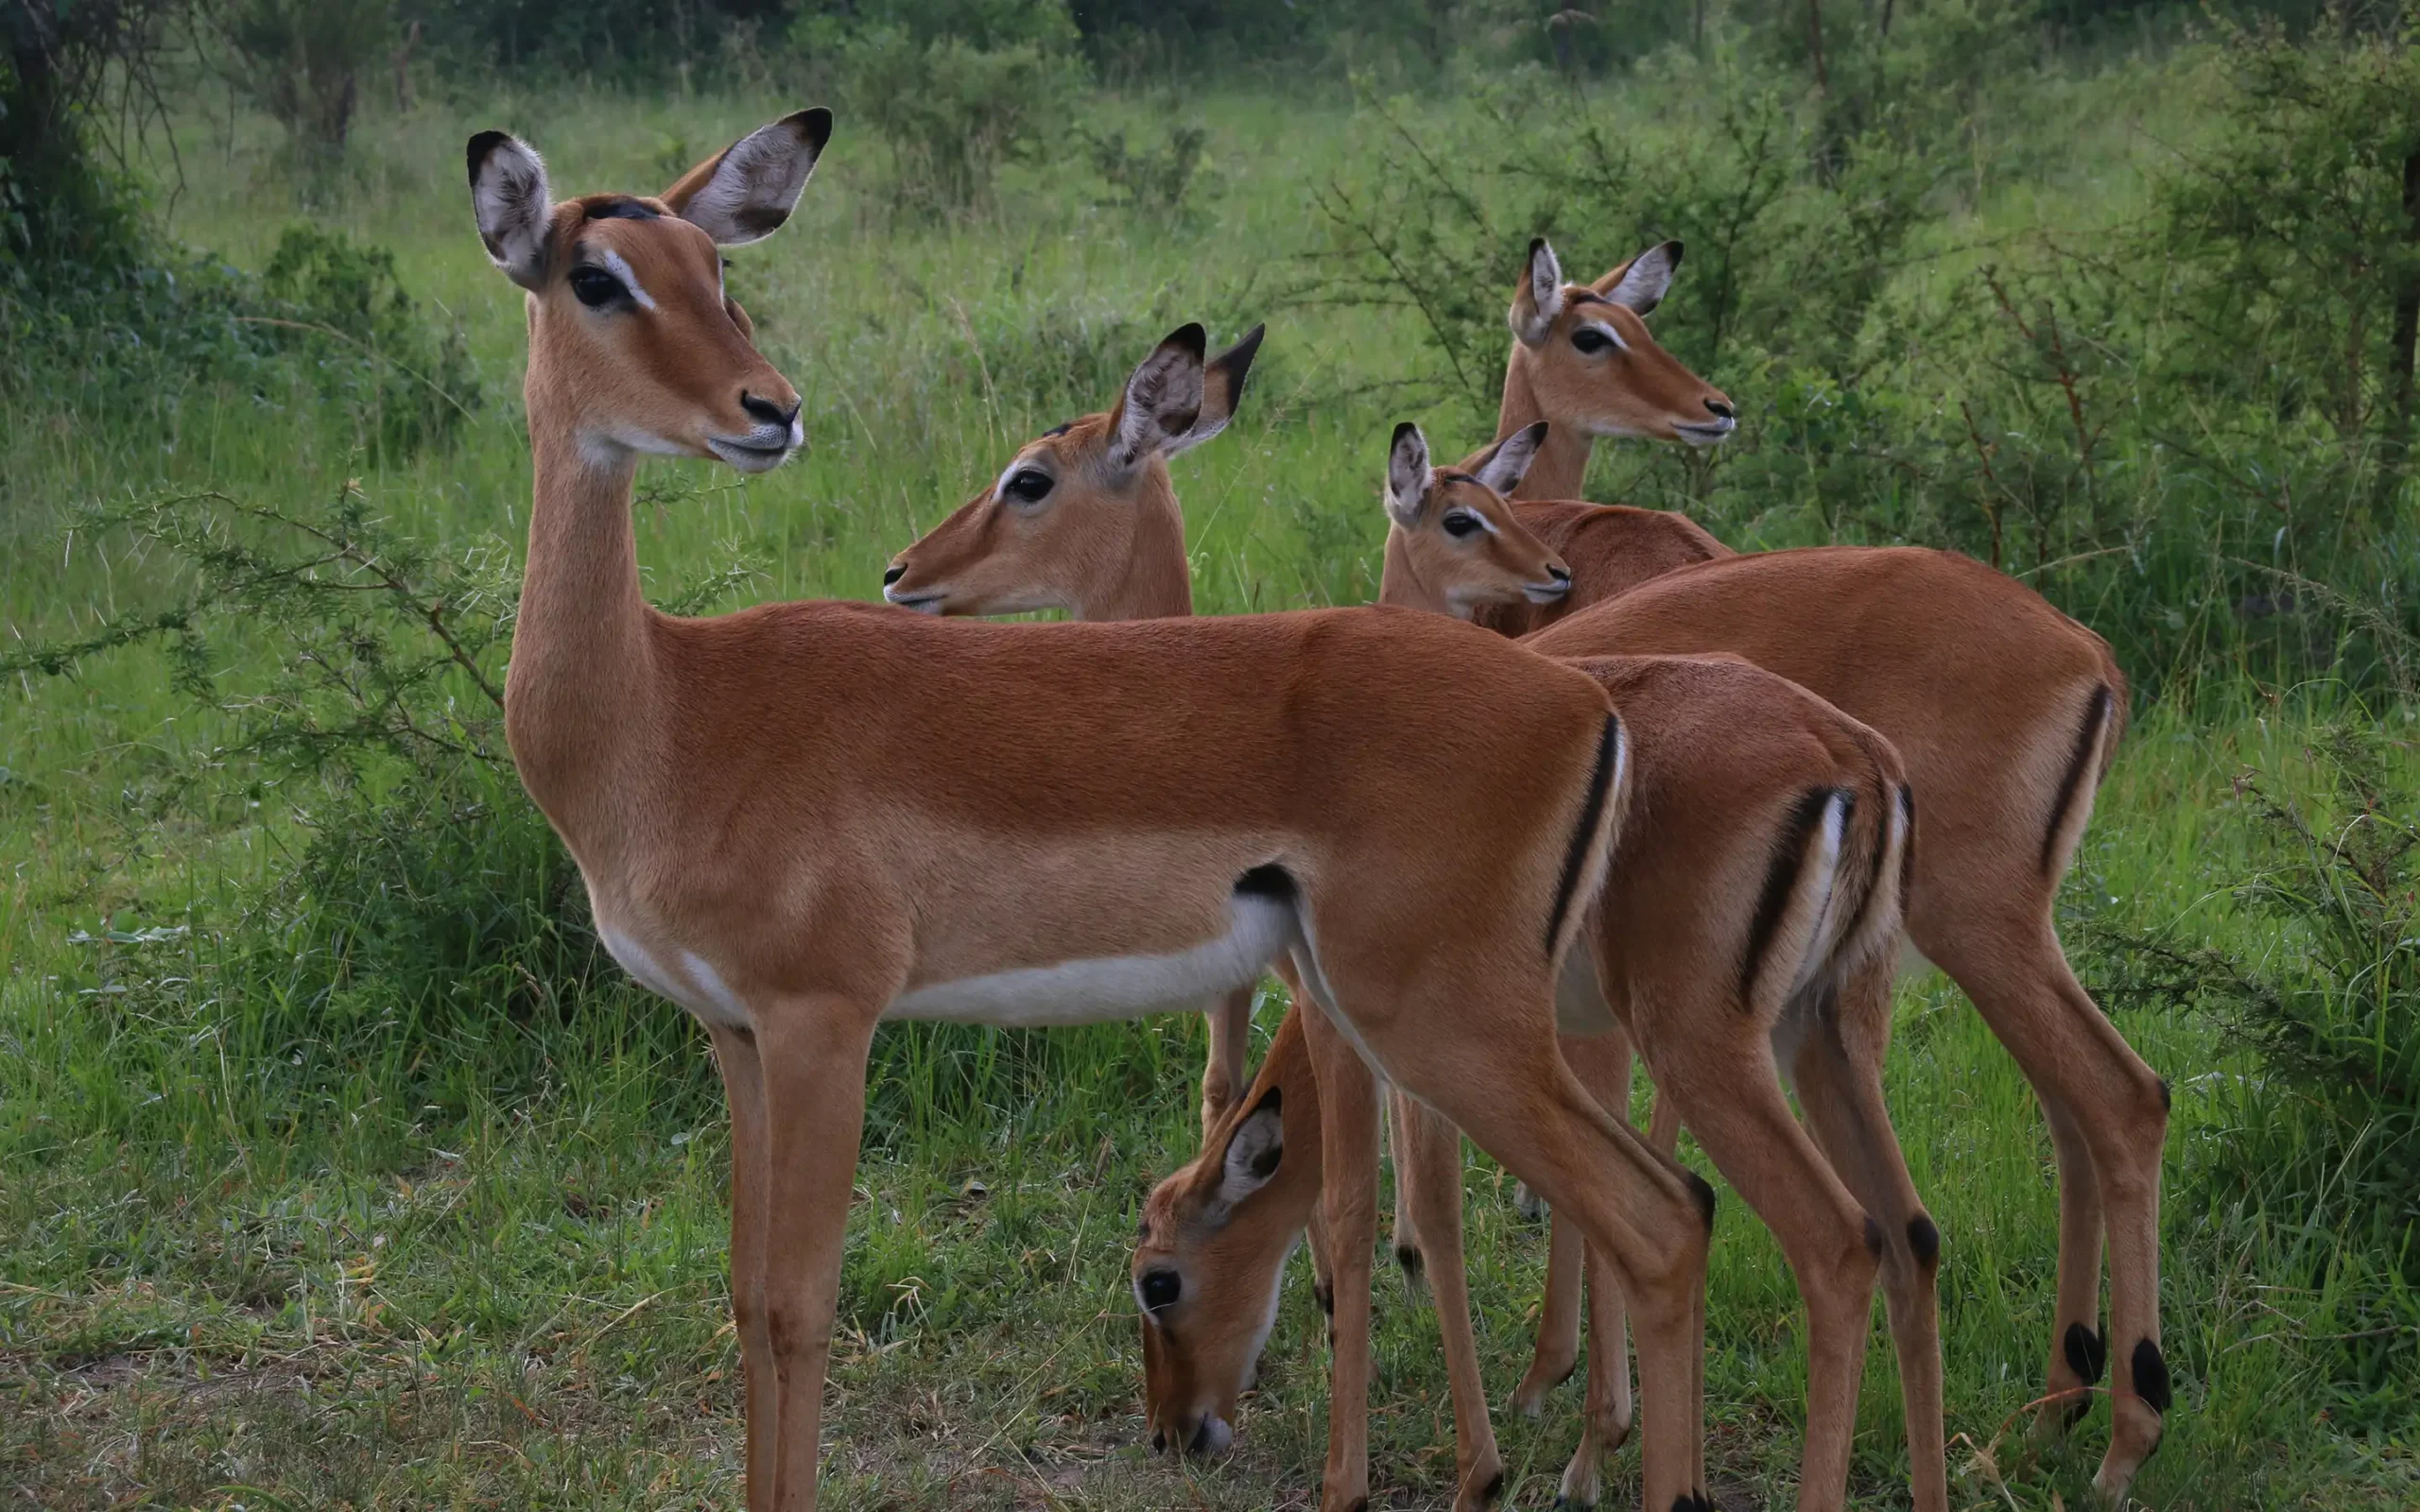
{"type": "Point", "coordinates": [1600, 782]}
{"type": "Point", "coordinates": [1907, 848]}
{"type": "Point", "coordinates": [1781, 879]}
{"type": "Point", "coordinates": [2095, 714]}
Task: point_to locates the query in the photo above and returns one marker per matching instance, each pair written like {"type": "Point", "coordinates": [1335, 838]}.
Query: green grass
{"type": "Point", "coordinates": [267, 1250]}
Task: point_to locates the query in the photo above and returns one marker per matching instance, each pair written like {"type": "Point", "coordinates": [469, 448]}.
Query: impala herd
{"type": "Point", "coordinates": [1681, 815]}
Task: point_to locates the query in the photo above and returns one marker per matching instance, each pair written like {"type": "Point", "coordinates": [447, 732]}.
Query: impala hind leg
{"type": "Point", "coordinates": [1429, 1161]}
{"type": "Point", "coordinates": [1603, 1063]}
{"type": "Point", "coordinates": [2108, 1117]}
{"type": "Point", "coordinates": [813, 1054]}
{"type": "Point", "coordinates": [1606, 1424]}
{"type": "Point", "coordinates": [1227, 1073]}
{"type": "Point", "coordinates": [1732, 1089]}
{"type": "Point", "coordinates": [1838, 1068]}
{"type": "Point", "coordinates": [744, 1090]}
{"type": "Point", "coordinates": [1408, 1234]}
{"type": "Point", "coordinates": [1349, 1214]}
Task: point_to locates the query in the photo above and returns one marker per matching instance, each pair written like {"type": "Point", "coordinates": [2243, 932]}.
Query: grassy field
{"type": "Point", "coordinates": [443, 1254]}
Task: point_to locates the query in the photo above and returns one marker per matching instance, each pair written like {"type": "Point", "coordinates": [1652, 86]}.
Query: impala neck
{"type": "Point", "coordinates": [580, 684]}
{"type": "Point", "coordinates": [1562, 465]}
{"type": "Point", "coordinates": [1401, 585]}
{"type": "Point", "coordinates": [1158, 578]}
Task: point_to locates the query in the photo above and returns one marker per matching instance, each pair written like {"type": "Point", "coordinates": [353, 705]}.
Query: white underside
{"type": "Point", "coordinates": [1115, 986]}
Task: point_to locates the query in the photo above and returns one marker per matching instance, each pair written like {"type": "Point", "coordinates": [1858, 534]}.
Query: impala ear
{"type": "Point", "coordinates": [1642, 282]}
{"type": "Point", "coordinates": [1410, 477]}
{"type": "Point", "coordinates": [744, 192]}
{"type": "Point", "coordinates": [510, 199]}
{"type": "Point", "coordinates": [1253, 1150]}
{"type": "Point", "coordinates": [1162, 400]}
{"type": "Point", "coordinates": [1539, 298]}
{"type": "Point", "coordinates": [1503, 466]}
{"type": "Point", "coordinates": [1222, 388]}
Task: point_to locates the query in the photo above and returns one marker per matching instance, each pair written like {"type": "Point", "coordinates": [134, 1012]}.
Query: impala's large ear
{"type": "Point", "coordinates": [1410, 477]}
{"type": "Point", "coordinates": [1503, 466]}
{"type": "Point", "coordinates": [1253, 1150]}
{"type": "Point", "coordinates": [1162, 400]}
{"type": "Point", "coordinates": [1222, 388]}
{"type": "Point", "coordinates": [745, 192]}
{"type": "Point", "coordinates": [514, 210]}
{"type": "Point", "coordinates": [1641, 281]}
{"type": "Point", "coordinates": [1539, 298]}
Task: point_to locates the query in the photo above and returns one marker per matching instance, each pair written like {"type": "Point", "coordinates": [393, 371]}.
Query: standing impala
{"type": "Point", "coordinates": [1751, 919]}
{"type": "Point", "coordinates": [2007, 711]}
{"type": "Point", "coordinates": [803, 818]}
{"type": "Point", "coordinates": [1071, 523]}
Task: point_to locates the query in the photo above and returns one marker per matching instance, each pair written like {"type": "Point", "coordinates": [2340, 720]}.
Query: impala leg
{"type": "Point", "coordinates": [1841, 1088]}
{"type": "Point", "coordinates": [1606, 1424]}
{"type": "Point", "coordinates": [813, 1054]}
{"type": "Point", "coordinates": [1428, 1160]}
{"type": "Point", "coordinates": [1732, 1093]}
{"type": "Point", "coordinates": [1401, 1111]}
{"type": "Point", "coordinates": [1664, 1126]}
{"type": "Point", "coordinates": [1348, 1204]}
{"type": "Point", "coordinates": [1227, 1073]}
{"type": "Point", "coordinates": [744, 1090]}
{"type": "Point", "coordinates": [1603, 1064]}
{"type": "Point", "coordinates": [2092, 1083]}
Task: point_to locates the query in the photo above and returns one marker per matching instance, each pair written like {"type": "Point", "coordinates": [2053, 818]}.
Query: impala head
{"type": "Point", "coordinates": [633, 341]}
{"type": "Point", "coordinates": [1589, 361]}
{"type": "Point", "coordinates": [1208, 1259]}
{"type": "Point", "coordinates": [1453, 542]}
{"type": "Point", "coordinates": [1063, 523]}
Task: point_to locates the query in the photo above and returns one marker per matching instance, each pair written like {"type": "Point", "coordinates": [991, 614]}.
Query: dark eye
{"type": "Point", "coordinates": [595, 287]}
{"type": "Point", "coordinates": [1160, 1289]}
{"type": "Point", "coordinates": [1028, 485]}
{"type": "Point", "coordinates": [1460, 523]}
{"type": "Point", "coordinates": [1591, 340]}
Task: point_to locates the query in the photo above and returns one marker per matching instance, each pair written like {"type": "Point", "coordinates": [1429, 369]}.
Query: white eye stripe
{"type": "Point", "coordinates": [1608, 333]}
{"type": "Point", "coordinates": [615, 265]}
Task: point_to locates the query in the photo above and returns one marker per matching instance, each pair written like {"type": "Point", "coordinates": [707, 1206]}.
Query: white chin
{"type": "Point", "coordinates": [748, 459]}
{"type": "Point", "coordinates": [1544, 595]}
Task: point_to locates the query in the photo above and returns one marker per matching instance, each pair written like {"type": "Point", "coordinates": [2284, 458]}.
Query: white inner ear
{"type": "Point", "coordinates": [510, 202]}
{"type": "Point", "coordinates": [1407, 497]}
{"type": "Point", "coordinates": [754, 188]}
{"type": "Point", "coordinates": [1167, 386]}
{"type": "Point", "coordinates": [1507, 466]}
{"type": "Point", "coordinates": [1545, 293]}
{"type": "Point", "coordinates": [1252, 1157]}
{"type": "Point", "coordinates": [1643, 286]}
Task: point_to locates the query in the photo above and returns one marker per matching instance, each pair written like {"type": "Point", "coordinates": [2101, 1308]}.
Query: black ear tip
{"type": "Point", "coordinates": [1407, 431]}
{"type": "Point", "coordinates": [1537, 245]}
{"type": "Point", "coordinates": [1537, 433]}
{"type": "Point", "coordinates": [1189, 337]}
{"type": "Point", "coordinates": [1272, 1101]}
{"type": "Point", "coordinates": [814, 124]}
{"type": "Point", "coordinates": [481, 144]}
{"type": "Point", "coordinates": [1672, 249]}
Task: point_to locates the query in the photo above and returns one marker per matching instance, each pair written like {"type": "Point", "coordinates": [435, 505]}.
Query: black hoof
{"type": "Point", "coordinates": [1493, 1489]}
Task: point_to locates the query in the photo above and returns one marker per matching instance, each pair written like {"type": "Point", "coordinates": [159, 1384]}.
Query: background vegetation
{"type": "Point", "coordinates": [339, 1167]}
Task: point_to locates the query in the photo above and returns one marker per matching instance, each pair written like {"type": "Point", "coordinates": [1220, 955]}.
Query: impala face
{"type": "Point", "coordinates": [1076, 506]}
{"type": "Point", "coordinates": [626, 292]}
{"type": "Point", "coordinates": [1456, 544]}
{"type": "Point", "coordinates": [1208, 1262]}
{"type": "Point", "coordinates": [1591, 363]}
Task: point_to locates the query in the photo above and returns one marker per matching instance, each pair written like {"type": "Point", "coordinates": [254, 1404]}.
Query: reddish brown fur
{"type": "Point", "coordinates": [792, 816]}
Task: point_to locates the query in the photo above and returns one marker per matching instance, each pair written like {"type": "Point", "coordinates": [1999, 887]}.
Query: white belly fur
{"type": "Point", "coordinates": [1115, 986]}
{"type": "Point", "coordinates": [693, 983]}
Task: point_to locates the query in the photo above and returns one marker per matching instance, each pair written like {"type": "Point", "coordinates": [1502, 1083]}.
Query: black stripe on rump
{"type": "Point", "coordinates": [1781, 880]}
{"type": "Point", "coordinates": [2096, 713]}
{"type": "Point", "coordinates": [1591, 814]}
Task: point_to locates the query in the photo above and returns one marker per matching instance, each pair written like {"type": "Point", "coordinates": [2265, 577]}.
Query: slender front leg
{"type": "Point", "coordinates": [1349, 1199]}
{"type": "Point", "coordinates": [1610, 1409]}
{"type": "Point", "coordinates": [813, 1053]}
{"type": "Point", "coordinates": [1429, 1161]}
{"type": "Point", "coordinates": [744, 1090]}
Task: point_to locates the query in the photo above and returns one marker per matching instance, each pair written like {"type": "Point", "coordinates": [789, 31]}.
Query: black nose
{"type": "Point", "coordinates": [893, 574]}
{"type": "Point", "coordinates": [765, 410]}
{"type": "Point", "coordinates": [1720, 406]}
{"type": "Point", "coordinates": [1561, 574]}
{"type": "Point", "coordinates": [1199, 1443]}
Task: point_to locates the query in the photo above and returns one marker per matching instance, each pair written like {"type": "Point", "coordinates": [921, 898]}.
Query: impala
{"type": "Point", "coordinates": [802, 819]}
{"type": "Point", "coordinates": [1759, 883]}
{"type": "Point", "coordinates": [2008, 714]}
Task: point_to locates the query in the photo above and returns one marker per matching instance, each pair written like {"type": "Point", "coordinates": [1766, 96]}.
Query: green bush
{"type": "Point", "coordinates": [370, 349]}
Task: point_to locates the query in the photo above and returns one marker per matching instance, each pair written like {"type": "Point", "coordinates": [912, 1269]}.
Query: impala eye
{"type": "Point", "coordinates": [595, 287]}
{"type": "Point", "coordinates": [1027, 485]}
{"type": "Point", "coordinates": [1591, 341]}
{"type": "Point", "coordinates": [1160, 1289]}
{"type": "Point", "coordinates": [1460, 522]}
